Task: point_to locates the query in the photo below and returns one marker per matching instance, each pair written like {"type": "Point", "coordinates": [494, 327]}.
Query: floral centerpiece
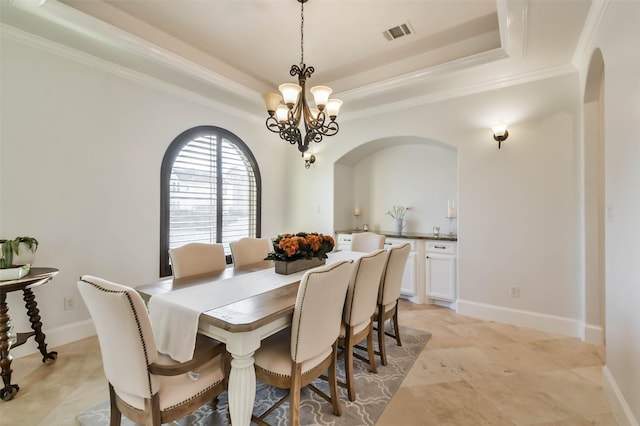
{"type": "Point", "coordinates": [295, 252]}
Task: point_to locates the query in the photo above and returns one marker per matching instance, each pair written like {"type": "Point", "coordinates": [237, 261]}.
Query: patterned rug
{"type": "Point", "coordinates": [373, 392]}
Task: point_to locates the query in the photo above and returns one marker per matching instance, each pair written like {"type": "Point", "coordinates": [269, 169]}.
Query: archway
{"type": "Point", "coordinates": [401, 170]}
{"type": "Point", "coordinates": [594, 202]}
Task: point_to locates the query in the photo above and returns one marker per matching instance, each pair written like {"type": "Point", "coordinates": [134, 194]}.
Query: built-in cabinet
{"type": "Point", "coordinates": [440, 270]}
{"type": "Point", "coordinates": [430, 272]}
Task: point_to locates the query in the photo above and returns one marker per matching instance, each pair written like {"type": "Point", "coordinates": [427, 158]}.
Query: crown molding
{"type": "Point", "coordinates": [61, 50]}
{"type": "Point", "coordinates": [512, 19]}
{"type": "Point", "coordinates": [77, 21]}
{"type": "Point", "coordinates": [585, 44]}
{"type": "Point", "coordinates": [420, 75]}
{"type": "Point", "coordinates": [498, 83]}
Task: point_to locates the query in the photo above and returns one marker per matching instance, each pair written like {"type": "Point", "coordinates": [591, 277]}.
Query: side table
{"type": "Point", "coordinates": [36, 277]}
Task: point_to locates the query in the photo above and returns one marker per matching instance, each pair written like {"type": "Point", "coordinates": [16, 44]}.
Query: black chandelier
{"type": "Point", "coordinates": [286, 110]}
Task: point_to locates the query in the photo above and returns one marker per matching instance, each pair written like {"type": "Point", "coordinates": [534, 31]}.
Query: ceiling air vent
{"type": "Point", "coordinates": [397, 32]}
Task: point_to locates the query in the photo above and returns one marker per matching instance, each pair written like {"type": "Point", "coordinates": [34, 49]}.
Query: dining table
{"type": "Point", "coordinates": [237, 306]}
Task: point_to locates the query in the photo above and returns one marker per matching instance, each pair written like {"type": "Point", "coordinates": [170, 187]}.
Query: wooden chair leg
{"type": "Point", "coordinates": [381, 347]}
{"type": "Point", "coordinates": [396, 327]}
{"type": "Point", "coordinates": [333, 380]}
{"type": "Point", "coordinates": [152, 410]}
{"type": "Point", "coordinates": [115, 416]}
{"type": "Point", "coordinates": [348, 364]}
{"type": "Point", "coordinates": [370, 351]}
{"type": "Point", "coordinates": [294, 395]}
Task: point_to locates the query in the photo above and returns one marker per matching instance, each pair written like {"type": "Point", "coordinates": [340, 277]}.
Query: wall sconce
{"type": "Point", "coordinates": [500, 133]}
{"type": "Point", "coordinates": [309, 159]}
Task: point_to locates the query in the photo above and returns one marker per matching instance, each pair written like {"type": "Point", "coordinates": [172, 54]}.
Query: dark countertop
{"type": "Point", "coordinates": [408, 235]}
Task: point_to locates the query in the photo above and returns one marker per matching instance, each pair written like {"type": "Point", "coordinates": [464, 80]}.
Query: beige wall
{"type": "Point", "coordinates": [616, 38]}
{"type": "Point", "coordinates": [81, 150]}
{"type": "Point", "coordinates": [517, 206]}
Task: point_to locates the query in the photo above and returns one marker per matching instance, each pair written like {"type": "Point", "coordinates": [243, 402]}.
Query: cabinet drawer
{"type": "Point", "coordinates": [396, 241]}
{"type": "Point", "coordinates": [441, 247]}
{"type": "Point", "coordinates": [344, 239]}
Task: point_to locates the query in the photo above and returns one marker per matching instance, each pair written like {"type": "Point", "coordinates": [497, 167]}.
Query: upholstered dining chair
{"type": "Point", "coordinates": [145, 386]}
{"type": "Point", "coordinates": [249, 250]}
{"type": "Point", "coordinates": [367, 241]}
{"type": "Point", "coordinates": [389, 294]}
{"type": "Point", "coordinates": [197, 258]}
{"type": "Point", "coordinates": [294, 357]}
{"type": "Point", "coordinates": [360, 305]}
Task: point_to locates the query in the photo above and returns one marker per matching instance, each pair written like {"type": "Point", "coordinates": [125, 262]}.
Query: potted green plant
{"type": "Point", "coordinates": [16, 256]}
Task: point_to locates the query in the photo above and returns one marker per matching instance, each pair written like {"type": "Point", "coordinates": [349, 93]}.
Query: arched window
{"type": "Point", "coordinates": [210, 191]}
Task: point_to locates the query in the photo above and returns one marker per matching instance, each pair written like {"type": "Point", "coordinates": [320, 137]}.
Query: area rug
{"type": "Point", "coordinates": [373, 391]}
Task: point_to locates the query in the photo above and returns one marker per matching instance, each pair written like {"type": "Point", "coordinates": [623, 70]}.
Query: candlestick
{"type": "Point", "coordinates": [356, 211]}
{"type": "Point", "coordinates": [451, 209]}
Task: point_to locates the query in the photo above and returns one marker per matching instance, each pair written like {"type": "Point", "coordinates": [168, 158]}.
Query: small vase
{"type": "Point", "coordinates": [398, 225]}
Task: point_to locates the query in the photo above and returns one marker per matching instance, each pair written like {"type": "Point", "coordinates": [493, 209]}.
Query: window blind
{"type": "Point", "coordinates": [212, 193]}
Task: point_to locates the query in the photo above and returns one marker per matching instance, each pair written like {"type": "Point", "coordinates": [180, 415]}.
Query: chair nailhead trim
{"type": "Point", "coordinates": [135, 315]}
{"type": "Point", "coordinates": [304, 295]}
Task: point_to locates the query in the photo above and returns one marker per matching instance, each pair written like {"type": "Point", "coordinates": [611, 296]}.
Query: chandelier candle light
{"type": "Point", "coordinates": [286, 110]}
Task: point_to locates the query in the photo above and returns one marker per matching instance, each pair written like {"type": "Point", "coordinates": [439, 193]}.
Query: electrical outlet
{"type": "Point", "coordinates": [514, 291]}
{"type": "Point", "coordinates": [68, 303]}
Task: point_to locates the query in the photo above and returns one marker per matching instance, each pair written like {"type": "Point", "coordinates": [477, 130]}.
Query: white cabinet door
{"type": "Point", "coordinates": [409, 278]}
{"type": "Point", "coordinates": [440, 276]}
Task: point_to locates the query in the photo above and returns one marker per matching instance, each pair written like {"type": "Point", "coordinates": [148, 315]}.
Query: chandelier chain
{"type": "Point", "coordinates": [301, 34]}
{"type": "Point", "coordinates": [287, 118]}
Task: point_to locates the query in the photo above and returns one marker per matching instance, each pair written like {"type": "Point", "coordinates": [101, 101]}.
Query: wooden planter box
{"type": "Point", "coordinates": [286, 268]}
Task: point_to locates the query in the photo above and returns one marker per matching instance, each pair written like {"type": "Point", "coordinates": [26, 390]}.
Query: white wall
{"type": "Point", "coordinates": [343, 195]}
{"type": "Point", "coordinates": [616, 37]}
{"type": "Point", "coordinates": [81, 150]}
{"type": "Point", "coordinates": [518, 220]}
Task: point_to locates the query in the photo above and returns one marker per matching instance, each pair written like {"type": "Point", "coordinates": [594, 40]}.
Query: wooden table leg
{"type": "Point", "coordinates": [36, 325]}
{"type": "Point", "coordinates": [8, 391]}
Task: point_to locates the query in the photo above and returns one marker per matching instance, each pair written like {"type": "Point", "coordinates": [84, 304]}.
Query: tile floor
{"type": "Point", "coordinates": [472, 372]}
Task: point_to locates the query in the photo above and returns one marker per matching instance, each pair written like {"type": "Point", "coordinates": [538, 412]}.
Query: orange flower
{"type": "Point", "coordinates": [289, 245]}
{"type": "Point", "coordinates": [329, 238]}
{"type": "Point", "coordinates": [314, 241]}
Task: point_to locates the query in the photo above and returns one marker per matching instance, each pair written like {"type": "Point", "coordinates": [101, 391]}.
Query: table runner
{"type": "Point", "coordinates": [175, 315]}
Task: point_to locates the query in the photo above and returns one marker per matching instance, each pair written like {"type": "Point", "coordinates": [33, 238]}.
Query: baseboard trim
{"type": "Point", "coordinates": [593, 334]}
{"type": "Point", "coordinates": [538, 321]}
{"type": "Point", "coordinates": [445, 304]}
{"type": "Point", "coordinates": [619, 407]}
{"type": "Point", "coordinates": [56, 337]}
